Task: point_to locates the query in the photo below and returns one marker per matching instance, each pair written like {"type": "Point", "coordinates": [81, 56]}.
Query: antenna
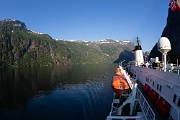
{"type": "Point", "coordinates": [138, 42]}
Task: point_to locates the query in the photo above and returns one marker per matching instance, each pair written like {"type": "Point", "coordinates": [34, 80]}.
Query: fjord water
{"type": "Point", "coordinates": [79, 92]}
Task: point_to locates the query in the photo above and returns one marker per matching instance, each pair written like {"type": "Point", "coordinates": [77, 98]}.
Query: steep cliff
{"type": "Point", "coordinates": [22, 47]}
{"type": "Point", "coordinates": [172, 32]}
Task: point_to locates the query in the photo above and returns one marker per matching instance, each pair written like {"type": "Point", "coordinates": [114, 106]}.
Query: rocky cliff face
{"type": "Point", "coordinates": [9, 25]}
{"type": "Point", "coordinates": [172, 32]}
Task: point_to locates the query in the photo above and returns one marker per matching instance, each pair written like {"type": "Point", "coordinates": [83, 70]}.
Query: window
{"type": "Point", "coordinates": [147, 79]}
{"type": "Point", "coordinates": [178, 103]}
{"type": "Point", "coordinates": [157, 86]}
{"type": "Point", "coordinates": [174, 98]}
{"type": "Point", "coordinates": [160, 88]}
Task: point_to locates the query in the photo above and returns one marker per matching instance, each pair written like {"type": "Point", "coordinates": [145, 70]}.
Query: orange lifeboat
{"type": "Point", "coordinates": [119, 83]}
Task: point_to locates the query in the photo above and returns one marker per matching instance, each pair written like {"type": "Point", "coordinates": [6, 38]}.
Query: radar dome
{"type": "Point", "coordinates": [164, 45]}
{"type": "Point", "coordinates": [147, 53]}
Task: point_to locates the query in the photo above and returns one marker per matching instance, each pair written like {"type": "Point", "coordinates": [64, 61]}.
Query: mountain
{"type": "Point", "coordinates": [172, 32]}
{"type": "Point", "coordinates": [20, 46]}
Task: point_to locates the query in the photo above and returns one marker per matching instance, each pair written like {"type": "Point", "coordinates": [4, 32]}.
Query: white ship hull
{"type": "Point", "coordinates": [166, 84]}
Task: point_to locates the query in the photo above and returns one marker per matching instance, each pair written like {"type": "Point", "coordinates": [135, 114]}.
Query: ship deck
{"type": "Point", "coordinates": [125, 114]}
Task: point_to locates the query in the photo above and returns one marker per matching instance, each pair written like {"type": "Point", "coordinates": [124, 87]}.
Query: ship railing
{"type": "Point", "coordinates": [128, 78]}
{"type": "Point", "coordinates": [124, 117]}
{"type": "Point", "coordinates": [175, 69]}
{"type": "Point", "coordinates": [146, 108]}
{"type": "Point", "coordinates": [146, 114]}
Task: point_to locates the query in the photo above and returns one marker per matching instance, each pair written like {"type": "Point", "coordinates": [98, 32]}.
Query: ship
{"type": "Point", "coordinates": [153, 90]}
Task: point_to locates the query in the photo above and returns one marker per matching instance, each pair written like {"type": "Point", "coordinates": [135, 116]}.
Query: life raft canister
{"type": "Point", "coordinates": [119, 83]}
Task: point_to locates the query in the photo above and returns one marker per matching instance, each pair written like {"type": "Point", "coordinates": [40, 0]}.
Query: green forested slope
{"type": "Point", "coordinates": [22, 47]}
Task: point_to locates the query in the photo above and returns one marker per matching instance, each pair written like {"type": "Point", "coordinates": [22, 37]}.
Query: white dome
{"type": "Point", "coordinates": [164, 45]}
{"type": "Point", "coordinates": [147, 53]}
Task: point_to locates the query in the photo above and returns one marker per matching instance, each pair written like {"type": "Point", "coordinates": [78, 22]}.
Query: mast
{"type": "Point", "coordinates": [138, 41]}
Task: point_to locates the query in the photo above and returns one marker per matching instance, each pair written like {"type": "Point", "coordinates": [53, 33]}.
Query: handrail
{"type": "Point", "coordinates": [130, 82]}
{"type": "Point", "coordinates": [124, 117]}
{"type": "Point", "coordinates": [147, 110]}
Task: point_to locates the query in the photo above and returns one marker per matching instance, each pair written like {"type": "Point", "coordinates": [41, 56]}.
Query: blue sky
{"type": "Point", "coordinates": [92, 20]}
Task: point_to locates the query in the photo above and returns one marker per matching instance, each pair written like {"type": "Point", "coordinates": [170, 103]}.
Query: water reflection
{"type": "Point", "coordinates": [20, 85]}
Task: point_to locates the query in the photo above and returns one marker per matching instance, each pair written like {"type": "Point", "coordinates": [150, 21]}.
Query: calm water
{"type": "Point", "coordinates": [81, 92]}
